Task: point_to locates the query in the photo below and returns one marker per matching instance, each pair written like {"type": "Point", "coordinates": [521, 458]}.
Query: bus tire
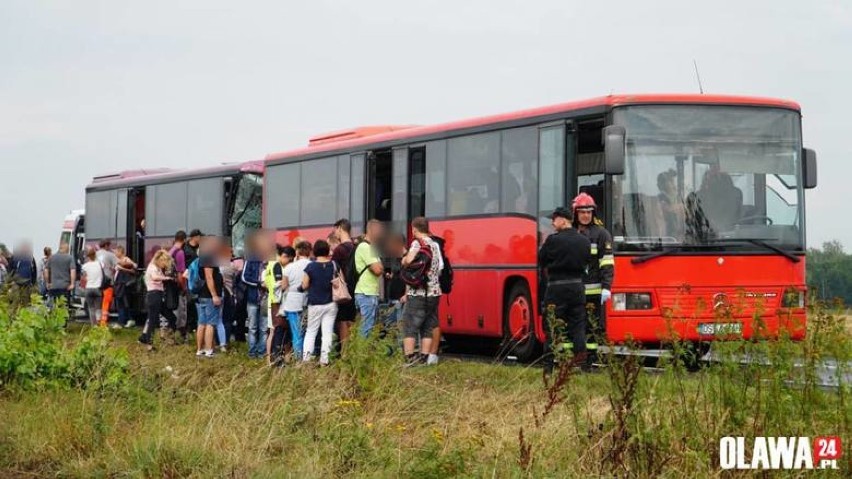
{"type": "Point", "coordinates": [519, 337]}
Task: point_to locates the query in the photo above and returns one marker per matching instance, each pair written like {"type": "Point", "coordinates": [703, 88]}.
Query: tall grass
{"type": "Point", "coordinates": [366, 416]}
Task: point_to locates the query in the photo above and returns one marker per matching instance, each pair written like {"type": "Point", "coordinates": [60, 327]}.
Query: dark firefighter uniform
{"type": "Point", "coordinates": [565, 256]}
{"type": "Point", "coordinates": [597, 278]}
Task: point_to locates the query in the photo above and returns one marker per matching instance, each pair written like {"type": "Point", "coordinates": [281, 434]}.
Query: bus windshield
{"type": "Point", "coordinates": [246, 212]}
{"type": "Point", "coordinates": [708, 176]}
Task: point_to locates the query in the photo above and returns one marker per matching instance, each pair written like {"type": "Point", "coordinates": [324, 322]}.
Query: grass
{"type": "Point", "coordinates": [182, 416]}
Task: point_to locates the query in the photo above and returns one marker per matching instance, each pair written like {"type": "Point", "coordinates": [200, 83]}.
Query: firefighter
{"type": "Point", "coordinates": [599, 275]}
{"type": "Point", "coordinates": [564, 257]}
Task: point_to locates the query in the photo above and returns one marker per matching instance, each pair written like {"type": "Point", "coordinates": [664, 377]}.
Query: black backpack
{"type": "Point", "coordinates": [446, 277]}
{"type": "Point", "coordinates": [416, 273]}
{"type": "Point", "coordinates": [349, 273]}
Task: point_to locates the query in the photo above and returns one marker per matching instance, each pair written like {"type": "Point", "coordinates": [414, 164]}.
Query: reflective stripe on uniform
{"type": "Point", "coordinates": [593, 288]}
{"type": "Point", "coordinates": [592, 346]}
{"type": "Point", "coordinates": [607, 260]}
{"type": "Point", "coordinates": [594, 249]}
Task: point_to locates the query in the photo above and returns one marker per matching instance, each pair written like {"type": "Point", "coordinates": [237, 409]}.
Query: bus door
{"type": "Point", "coordinates": [379, 185]}
{"type": "Point", "coordinates": [135, 225]}
{"type": "Point", "coordinates": [589, 166]}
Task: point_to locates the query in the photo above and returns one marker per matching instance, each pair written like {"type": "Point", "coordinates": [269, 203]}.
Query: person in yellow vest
{"type": "Point", "coordinates": [599, 275]}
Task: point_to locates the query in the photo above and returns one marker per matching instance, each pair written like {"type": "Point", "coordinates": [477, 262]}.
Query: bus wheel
{"type": "Point", "coordinates": [518, 324]}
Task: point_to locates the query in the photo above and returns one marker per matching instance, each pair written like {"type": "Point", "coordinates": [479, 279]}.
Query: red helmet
{"type": "Point", "coordinates": [583, 201]}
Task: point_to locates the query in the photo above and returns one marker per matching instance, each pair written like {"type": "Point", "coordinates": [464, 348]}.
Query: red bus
{"type": "Point", "coordinates": [704, 196]}
{"type": "Point", "coordinates": [141, 210]}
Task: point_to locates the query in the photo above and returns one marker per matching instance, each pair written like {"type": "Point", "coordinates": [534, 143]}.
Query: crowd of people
{"type": "Point", "coordinates": [287, 302]}
{"type": "Point", "coordinates": [280, 299]}
{"type": "Point", "coordinates": [292, 295]}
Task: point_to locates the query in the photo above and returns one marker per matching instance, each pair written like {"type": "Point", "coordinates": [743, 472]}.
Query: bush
{"type": "Point", "coordinates": [34, 352]}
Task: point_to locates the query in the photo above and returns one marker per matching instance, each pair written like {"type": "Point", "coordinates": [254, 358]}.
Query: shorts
{"type": "Point", "coordinates": [208, 313]}
{"type": "Point", "coordinates": [346, 311]}
{"type": "Point", "coordinates": [420, 316]}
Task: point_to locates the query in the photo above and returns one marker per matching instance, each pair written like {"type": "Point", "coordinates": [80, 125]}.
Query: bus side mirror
{"type": "Point", "coordinates": [809, 168]}
{"type": "Point", "coordinates": [614, 141]}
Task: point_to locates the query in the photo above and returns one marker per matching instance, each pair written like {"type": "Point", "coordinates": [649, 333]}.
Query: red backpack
{"type": "Point", "coordinates": [416, 274]}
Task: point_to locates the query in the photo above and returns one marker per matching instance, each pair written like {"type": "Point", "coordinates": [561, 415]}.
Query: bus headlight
{"type": "Point", "coordinates": [793, 298]}
{"type": "Point", "coordinates": [631, 301]}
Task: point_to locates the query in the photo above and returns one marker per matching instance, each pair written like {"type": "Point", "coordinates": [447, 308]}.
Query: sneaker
{"type": "Point", "coordinates": [209, 353]}
{"type": "Point", "coordinates": [223, 349]}
{"type": "Point", "coordinates": [412, 361]}
{"type": "Point", "coordinates": [130, 324]}
{"type": "Point", "coordinates": [199, 353]}
{"type": "Point", "coordinates": [432, 359]}
{"type": "Point", "coordinates": [114, 326]}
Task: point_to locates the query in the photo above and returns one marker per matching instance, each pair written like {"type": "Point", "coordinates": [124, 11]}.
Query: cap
{"type": "Point", "coordinates": [561, 212]}
{"type": "Point", "coordinates": [195, 232]}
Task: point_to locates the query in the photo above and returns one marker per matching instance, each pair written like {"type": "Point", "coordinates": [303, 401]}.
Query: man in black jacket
{"type": "Point", "coordinates": [564, 257]}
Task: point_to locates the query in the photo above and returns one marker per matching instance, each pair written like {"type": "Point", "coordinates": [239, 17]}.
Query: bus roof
{"type": "Point", "coordinates": [389, 135]}
{"type": "Point", "coordinates": [166, 175]}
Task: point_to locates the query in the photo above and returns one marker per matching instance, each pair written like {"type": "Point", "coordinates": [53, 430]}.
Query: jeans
{"type": "Point", "coordinates": [208, 313]}
{"type": "Point", "coordinates": [55, 294]}
{"type": "Point", "coordinates": [295, 320]}
{"type": "Point", "coordinates": [320, 315]}
{"type": "Point", "coordinates": [367, 305]}
{"type": "Point", "coordinates": [227, 317]}
{"type": "Point", "coordinates": [256, 332]}
{"type": "Point", "coordinates": [394, 308]}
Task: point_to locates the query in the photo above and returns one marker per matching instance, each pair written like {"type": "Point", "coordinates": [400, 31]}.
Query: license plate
{"type": "Point", "coordinates": [719, 329]}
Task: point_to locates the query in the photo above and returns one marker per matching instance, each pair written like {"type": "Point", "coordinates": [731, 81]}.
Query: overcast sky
{"type": "Point", "coordinates": [91, 87]}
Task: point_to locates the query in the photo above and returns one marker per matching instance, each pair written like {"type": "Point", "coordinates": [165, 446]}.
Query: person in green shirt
{"type": "Point", "coordinates": [368, 269]}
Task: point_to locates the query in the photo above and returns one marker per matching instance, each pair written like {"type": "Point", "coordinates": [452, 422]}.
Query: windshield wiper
{"type": "Point", "coordinates": [672, 249]}
{"type": "Point", "coordinates": [763, 244]}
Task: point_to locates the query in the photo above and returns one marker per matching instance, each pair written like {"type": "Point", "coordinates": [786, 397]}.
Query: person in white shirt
{"type": "Point", "coordinates": [294, 302]}
{"type": "Point", "coordinates": [93, 273]}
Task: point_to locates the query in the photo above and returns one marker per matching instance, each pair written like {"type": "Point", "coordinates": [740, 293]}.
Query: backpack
{"type": "Point", "coordinates": [349, 273]}
{"type": "Point", "coordinates": [416, 273]}
{"type": "Point", "coordinates": [24, 270]}
{"type": "Point", "coordinates": [446, 277]}
{"type": "Point", "coordinates": [195, 283]}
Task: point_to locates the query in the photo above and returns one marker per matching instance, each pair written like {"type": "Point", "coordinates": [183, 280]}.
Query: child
{"type": "Point", "coordinates": [277, 325]}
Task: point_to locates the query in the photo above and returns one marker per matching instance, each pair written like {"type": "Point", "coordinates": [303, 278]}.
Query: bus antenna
{"type": "Point", "coordinates": [698, 76]}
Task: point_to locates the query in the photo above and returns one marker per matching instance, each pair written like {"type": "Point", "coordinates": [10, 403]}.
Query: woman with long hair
{"type": "Point", "coordinates": [155, 275]}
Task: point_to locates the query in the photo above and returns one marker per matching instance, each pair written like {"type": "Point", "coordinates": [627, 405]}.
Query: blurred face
{"type": "Point", "coordinates": [284, 259]}
{"type": "Point", "coordinates": [585, 216]}
{"type": "Point", "coordinates": [212, 245]}
{"type": "Point", "coordinates": [374, 231]}
{"type": "Point", "coordinates": [559, 223]}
